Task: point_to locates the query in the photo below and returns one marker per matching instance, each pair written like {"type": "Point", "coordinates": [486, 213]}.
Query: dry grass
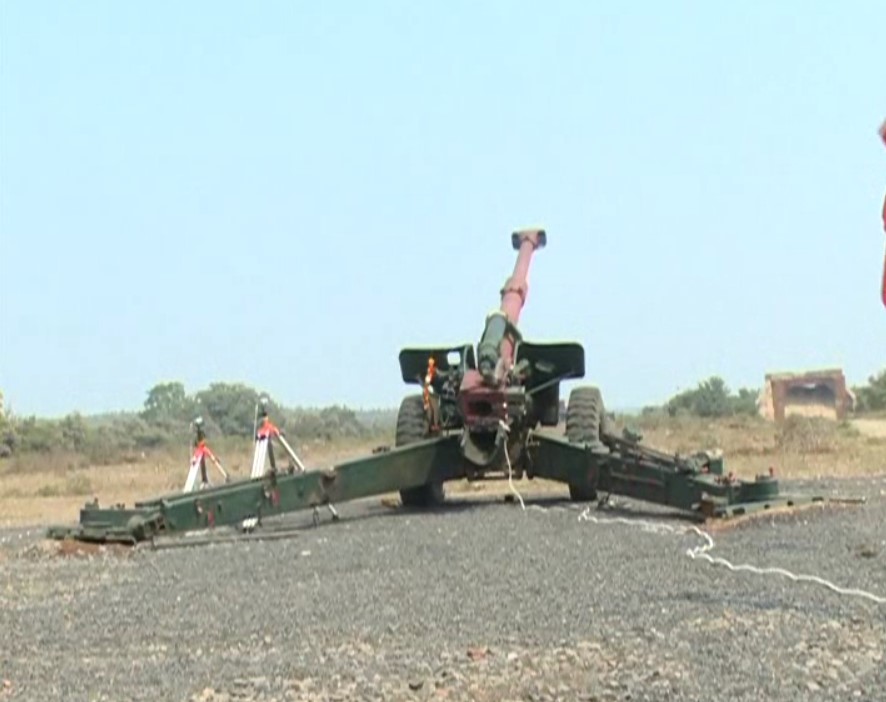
{"type": "Point", "coordinates": [52, 490]}
{"type": "Point", "coordinates": [801, 447]}
{"type": "Point", "coordinates": [875, 428]}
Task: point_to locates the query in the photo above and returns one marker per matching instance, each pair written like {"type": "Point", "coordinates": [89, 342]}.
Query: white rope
{"type": "Point", "coordinates": [511, 482]}
{"type": "Point", "coordinates": [516, 492]}
{"type": "Point", "coordinates": [702, 552]}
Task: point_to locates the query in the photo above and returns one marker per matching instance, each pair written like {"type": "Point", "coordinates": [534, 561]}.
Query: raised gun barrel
{"type": "Point", "coordinates": [495, 352]}
{"type": "Point", "coordinates": [486, 398]}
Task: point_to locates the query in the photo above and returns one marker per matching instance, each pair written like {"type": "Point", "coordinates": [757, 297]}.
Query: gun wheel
{"type": "Point", "coordinates": [585, 418]}
{"type": "Point", "coordinates": [412, 426]}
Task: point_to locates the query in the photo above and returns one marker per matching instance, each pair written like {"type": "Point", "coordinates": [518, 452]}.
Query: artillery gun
{"type": "Point", "coordinates": [493, 399]}
{"type": "Point", "coordinates": [482, 413]}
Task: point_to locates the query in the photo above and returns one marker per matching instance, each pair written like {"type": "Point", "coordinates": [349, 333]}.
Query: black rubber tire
{"type": "Point", "coordinates": [585, 416]}
{"type": "Point", "coordinates": [412, 426]}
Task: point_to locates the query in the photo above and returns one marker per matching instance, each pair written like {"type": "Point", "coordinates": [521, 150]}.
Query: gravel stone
{"type": "Point", "coordinates": [477, 601]}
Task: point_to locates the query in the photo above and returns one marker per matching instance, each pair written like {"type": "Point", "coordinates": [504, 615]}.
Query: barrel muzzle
{"type": "Point", "coordinates": [538, 237]}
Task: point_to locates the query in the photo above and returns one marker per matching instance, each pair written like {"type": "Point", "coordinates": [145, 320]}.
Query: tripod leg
{"type": "Point", "coordinates": [221, 469]}
{"type": "Point", "coordinates": [258, 469]}
{"type": "Point", "coordinates": [258, 458]}
{"type": "Point", "coordinates": [291, 453]}
{"type": "Point", "coordinates": [271, 456]}
{"type": "Point", "coordinates": [192, 476]}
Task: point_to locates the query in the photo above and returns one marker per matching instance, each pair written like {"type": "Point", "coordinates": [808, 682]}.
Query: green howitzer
{"type": "Point", "coordinates": [492, 414]}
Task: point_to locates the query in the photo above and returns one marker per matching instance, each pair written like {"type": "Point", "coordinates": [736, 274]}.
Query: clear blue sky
{"type": "Point", "coordinates": [286, 193]}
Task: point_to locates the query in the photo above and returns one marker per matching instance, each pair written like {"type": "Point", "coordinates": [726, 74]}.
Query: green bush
{"type": "Point", "coordinates": [712, 398]}
{"type": "Point", "coordinates": [39, 435]}
{"type": "Point", "coordinates": [872, 397]}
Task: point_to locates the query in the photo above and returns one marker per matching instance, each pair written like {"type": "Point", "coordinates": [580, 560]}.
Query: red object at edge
{"type": "Point", "coordinates": [883, 293]}
{"type": "Point", "coordinates": [884, 257]}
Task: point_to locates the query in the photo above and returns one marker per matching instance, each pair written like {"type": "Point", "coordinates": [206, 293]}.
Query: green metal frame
{"type": "Point", "coordinates": [694, 485]}
{"type": "Point", "coordinates": [385, 471]}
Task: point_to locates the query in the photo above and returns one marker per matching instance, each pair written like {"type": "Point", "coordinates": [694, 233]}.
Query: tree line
{"type": "Point", "coordinates": [167, 420]}
{"type": "Point", "coordinates": [229, 410]}
{"type": "Point", "coordinates": [713, 398]}
{"type": "Point", "coordinates": [872, 397]}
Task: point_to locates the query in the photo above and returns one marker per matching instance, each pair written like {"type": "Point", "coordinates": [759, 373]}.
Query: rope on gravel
{"type": "Point", "coordinates": [702, 552]}
{"type": "Point", "coordinates": [516, 492]}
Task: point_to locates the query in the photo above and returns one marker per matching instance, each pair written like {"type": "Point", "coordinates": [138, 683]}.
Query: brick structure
{"type": "Point", "coordinates": [820, 393]}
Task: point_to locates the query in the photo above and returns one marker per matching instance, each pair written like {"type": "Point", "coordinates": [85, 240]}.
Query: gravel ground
{"type": "Point", "coordinates": [477, 602]}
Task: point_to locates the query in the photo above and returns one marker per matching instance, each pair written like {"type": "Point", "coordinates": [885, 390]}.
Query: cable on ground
{"type": "Point", "coordinates": [702, 552]}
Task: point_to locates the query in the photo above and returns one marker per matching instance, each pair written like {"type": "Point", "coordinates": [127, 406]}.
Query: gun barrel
{"type": "Point", "coordinates": [496, 349]}
{"type": "Point", "coordinates": [513, 295]}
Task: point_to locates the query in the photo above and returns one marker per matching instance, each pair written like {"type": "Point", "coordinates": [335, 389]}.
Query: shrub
{"type": "Point", "coordinates": [872, 397]}
{"type": "Point", "coordinates": [712, 398]}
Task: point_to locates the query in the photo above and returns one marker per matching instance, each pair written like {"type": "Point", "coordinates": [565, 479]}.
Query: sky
{"type": "Point", "coordinates": [286, 194]}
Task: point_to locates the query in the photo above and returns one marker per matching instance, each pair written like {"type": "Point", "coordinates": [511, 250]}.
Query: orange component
{"type": "Point", "coordinates": [268, 428]}
{"type": "Point", "coordinates": [429, 378]}
{"type": "Point", "coordinates": [201, 449]}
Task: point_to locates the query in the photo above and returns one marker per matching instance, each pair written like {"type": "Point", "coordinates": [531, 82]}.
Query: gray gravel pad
{"type": "Point", "coordinates": [482, 602]}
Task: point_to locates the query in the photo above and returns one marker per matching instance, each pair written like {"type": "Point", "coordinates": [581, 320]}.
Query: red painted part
{"type": "Point", "coordinates": [883, 292]}
{"type": "Point", "coordinates": [516, 288]}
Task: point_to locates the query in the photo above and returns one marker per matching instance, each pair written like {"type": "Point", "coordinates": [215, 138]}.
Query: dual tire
{"type": "Point", "coordinates": [585, 423]}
